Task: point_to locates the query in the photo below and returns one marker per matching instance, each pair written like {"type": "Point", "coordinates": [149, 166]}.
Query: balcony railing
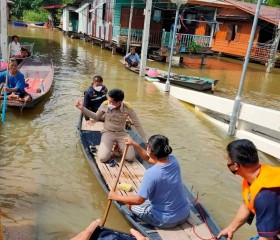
{"type": "Point", "coordinates": [183, 41]}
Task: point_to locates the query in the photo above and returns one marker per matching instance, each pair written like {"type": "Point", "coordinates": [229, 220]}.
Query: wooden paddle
{"type": "Point", "coordinates": [4, 106]}
{"type": "Point", "coordinates": [114, 187]}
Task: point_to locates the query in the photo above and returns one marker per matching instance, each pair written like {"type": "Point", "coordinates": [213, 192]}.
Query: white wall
{"type": "Point", "coordinates": [266, 119]}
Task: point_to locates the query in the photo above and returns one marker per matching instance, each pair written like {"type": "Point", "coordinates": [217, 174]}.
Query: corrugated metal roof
{"type": "Point", "coordinates": [269, 14]}
{"type": "Point", "coordinates": [54, 6]}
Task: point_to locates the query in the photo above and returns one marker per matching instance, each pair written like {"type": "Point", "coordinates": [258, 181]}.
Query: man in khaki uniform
{"type": "Point", "coordinates": [116, 112]}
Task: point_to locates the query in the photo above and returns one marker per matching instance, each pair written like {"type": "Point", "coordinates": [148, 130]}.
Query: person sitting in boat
{"type": "Point", "coordinates": [87, 233]}
{"type": "Point", "coordinates": [95, 96]}
{"type": "Point", "coordinates": [115, 112]}
{"type": "Point", "coordinates": [16, 83]}
{"type": "Point", "coordinates": [132, 58]}
{"type": "Point", "coordinates": [23, 53]}
{"type": "Point", "coordinates": [15, 46]}
{"type": "Point", "coordinates": [160, 200]}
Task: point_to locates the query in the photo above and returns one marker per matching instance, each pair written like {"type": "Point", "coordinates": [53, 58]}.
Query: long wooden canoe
{"type": "Point", "coordinates": [38, 77]}
{"type": "Point", "coordinates": [193, 82]}
{"type": "Point", "coordinates": [132, 174]}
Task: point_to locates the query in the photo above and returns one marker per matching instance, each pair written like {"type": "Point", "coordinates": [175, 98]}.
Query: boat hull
{"type": "Point", "coordinates": [20, 24]}
{"type": "Point", "coordinates": [88, 137]}
{"type": "Point", "coordinates": [38, 75]}
{"type": "Point", "coordinates": [192, 82]}
{"type": "Point", "coordinates": [198, 84]}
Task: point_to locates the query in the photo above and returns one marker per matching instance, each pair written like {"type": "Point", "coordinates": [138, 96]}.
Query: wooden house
{"type": "Point", "coordinates": [110, 22]}
{"type": "Point", "coordinates": [225, 27]}
{"type": "Point", "coordinates": [235, 29]}
{"type": "Point", "coordinates": [70, 19]}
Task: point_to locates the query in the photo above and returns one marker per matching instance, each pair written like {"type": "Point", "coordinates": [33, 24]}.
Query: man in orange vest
{"type": "Point", "coordinates": [260, 191]}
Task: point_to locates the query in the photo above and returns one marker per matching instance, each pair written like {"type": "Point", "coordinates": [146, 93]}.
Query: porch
{"type": "Point", "coordinates": [136, 37]}
{"type": "Point", "coordinates": [186, 42]}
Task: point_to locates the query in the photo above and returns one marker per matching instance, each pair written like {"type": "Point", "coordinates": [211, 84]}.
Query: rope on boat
{"type": "Point", "coordinates": [204, 220]}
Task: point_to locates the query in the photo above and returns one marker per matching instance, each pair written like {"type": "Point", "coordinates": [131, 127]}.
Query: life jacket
{"type": "Point", "coordinates": [269, 177]}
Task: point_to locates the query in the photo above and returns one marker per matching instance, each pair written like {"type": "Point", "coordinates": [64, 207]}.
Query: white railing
{"type": "Point", "coordinates": [137, 35]}
{"type": "Point", "coordinates": [184, 41]}
{"type": "Point", "coordinates": [260, 125]}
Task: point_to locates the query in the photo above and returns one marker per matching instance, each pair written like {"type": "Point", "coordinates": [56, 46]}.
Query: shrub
{"type": "Point", "coordinates": [41, 15]}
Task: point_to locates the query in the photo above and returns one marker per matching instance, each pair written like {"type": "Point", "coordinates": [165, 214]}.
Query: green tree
{"type": "Point", "coordinates": [272, 3]}
{"type": "Point", "coordinates": [22, 5]}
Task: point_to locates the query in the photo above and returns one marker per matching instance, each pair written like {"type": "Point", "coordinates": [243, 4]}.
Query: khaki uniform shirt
{"type": "Point", "coordinates": [115, 119]}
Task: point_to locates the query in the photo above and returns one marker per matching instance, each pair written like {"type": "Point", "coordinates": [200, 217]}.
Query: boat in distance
{"type": "Point", "coordinates": [192, 82]}
{"type": "Point", "coordinates": [19, 24]}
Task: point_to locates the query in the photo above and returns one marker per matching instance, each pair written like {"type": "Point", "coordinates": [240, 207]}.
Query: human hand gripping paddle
{"type": "Point", "coordinates": [4, 104]}
{"type": "Point", "coordinates": [114, 187]}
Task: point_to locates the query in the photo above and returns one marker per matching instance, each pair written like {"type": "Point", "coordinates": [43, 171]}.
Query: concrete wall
{"type": "Point", "coordinates": [265, 121]}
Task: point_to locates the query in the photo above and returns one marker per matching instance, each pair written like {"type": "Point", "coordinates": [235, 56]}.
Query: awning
{"type": "Point", "coordinates": [81, 8]}
{"type": "Point", "coordinates": [54, 6]}
{"type": "Point", "coordinates": [97, 6]}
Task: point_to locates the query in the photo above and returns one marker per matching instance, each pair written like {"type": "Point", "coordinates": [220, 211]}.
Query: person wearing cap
{"type": "Point", "coordinates": [94, 96]}
{"type": "Point", "coordinates": [115, 112]}
{"type": "Point", "coordinates": [260, 191]}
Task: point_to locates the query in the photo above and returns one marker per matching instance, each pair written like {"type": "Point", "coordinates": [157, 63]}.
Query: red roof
{"type": "Point", "coordinates": [269, 14]}
{"type": "Point", "coordinates": [54, 6]}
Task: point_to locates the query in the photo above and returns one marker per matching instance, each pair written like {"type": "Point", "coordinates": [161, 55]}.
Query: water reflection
{"type": "Point", "coordinates": [44, 175]}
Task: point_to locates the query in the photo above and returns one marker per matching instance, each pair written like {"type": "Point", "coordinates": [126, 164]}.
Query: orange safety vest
{"type": "Point", "coordinates": [269, 177]}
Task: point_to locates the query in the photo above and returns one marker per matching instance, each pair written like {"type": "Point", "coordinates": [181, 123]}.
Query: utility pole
{"type": "Point", "coordinates": [4, 30]}
{"type": "Point", "coordinates": [145, 39]}
{"type": "Point", "coordinates": [129, 27]}
{"type": "Point", "coordinates": [167, 83]}
{"type": "Point", "coordinates": [237, 102]}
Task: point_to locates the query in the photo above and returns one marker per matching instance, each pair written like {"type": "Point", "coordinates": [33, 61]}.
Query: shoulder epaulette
{"type": "Point", "coordinates": [106, 102]}
{"type": "Point", "coordinates": [127, 105]}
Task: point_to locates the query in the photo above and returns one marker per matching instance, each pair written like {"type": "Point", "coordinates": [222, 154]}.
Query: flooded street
{"type": "Point", "coordinates": [45, 177]}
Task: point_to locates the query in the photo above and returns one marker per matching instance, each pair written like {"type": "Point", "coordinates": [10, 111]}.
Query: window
{"type": "Point", "coordinates": [233, 32]}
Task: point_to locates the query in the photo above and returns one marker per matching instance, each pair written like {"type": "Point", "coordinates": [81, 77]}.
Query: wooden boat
{"type": "Point", "coordinates": [33, 25]}
{"type": "Point", "coordinates": [133, 69]}
{"type": "Point", "coordinates": [38, 78]}
{"type": "Point", "coordinates": [193, 82]}
{"type": "Point", "coordinates": [196, 83]}
{"type": "Point", "coordinates": [132, 173]}
{"type": "Point", "coordinates": [19, 24]}
{"type": "Point", "coordinates": [39, 24]}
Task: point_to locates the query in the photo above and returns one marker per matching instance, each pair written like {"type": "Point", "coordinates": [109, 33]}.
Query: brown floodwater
{"type": "Point", "coordinates": [45, 177]}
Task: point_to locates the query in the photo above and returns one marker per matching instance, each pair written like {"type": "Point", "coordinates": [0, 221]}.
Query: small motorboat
{"type": "Point", "coordinates": [19, 24]}
{"type": "Point", "coordinates": [41, 24]}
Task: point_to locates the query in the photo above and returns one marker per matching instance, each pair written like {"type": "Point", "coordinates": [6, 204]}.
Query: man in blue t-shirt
{"type": "Point", "coordinates": [16, 83]}
{"type": "Point", "coordinates": [132, 58]}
